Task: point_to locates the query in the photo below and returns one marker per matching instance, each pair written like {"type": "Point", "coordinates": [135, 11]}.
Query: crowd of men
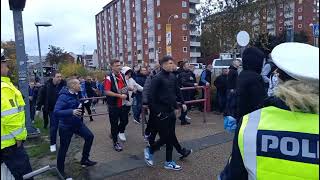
{"type": "Point", "coordinates": [251, 96]}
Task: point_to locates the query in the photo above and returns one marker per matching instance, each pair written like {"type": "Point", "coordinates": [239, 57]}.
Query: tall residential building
{"type": "Point", "coordinates": [134, 31]}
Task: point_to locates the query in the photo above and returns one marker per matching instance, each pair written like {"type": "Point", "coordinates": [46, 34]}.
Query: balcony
{"type": "Point", "coordinates": [192, 11]}
{"type": "Point", "coordinates": [195, 44]}
{"type": "Point", "coordinates": [194, 33]}
{"type": "Point", "coordinates": [195, 54]}
{"type": "Point", "coordinates": [194, 1]}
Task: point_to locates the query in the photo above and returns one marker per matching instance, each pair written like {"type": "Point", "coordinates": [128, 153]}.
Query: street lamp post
{"type": "Point", "coordinates": [169, 34]}
{"type": "Point", "coordinates": [17, 8]}
{"type": "Point", "coordinates": [44, 24]}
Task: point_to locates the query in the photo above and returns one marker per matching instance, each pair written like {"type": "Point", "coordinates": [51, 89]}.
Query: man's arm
{"type": "Point", "coordinates": [203, 77]}
{"type": "Point", "coordinates": [155, 84]}
{"type": "Point", "coordinates": [60, 108]}
{"type": "Point", "coordinates": [41, 96]}
{"type": "Point", "coordinates": [265, 71]}
{"type": "Point", "coordinates": [146, 90]}
{"type": "Point", "coordinates": [108, 92]}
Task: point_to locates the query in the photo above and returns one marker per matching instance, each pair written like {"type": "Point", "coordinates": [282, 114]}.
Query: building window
{"type": "Point", "coordinates": [300, 9]}
{"type": "Point", "coordinates": [185, 49]}
{"type": "Point", "coordinates": [134, 24]}
{"type": "Point", "coordinates": [184, 16]}
{"type": "Point", "coordinates": [281, 14]}
{"type": "Point", "coordinates": [184, 4]}
{"type": "Point", "coordinates": [144, 9]}
{"type": "Point", "coordinates": [159, 26]}
{"type": "Point", "coordinates": [158, 14]}
{"type": "Point", "coordinates": [133, 4]}
{"type": "Point", "coordinates": [299, 17]}
{"type": "Point", "coordinates": [145, 41]}
{"type": "Point", "coordinates": [134, 44]}
{"type": "Point", "coordinates": [151, 50]}
{"type": "Point", "coordinates": [159, 38]}
{"type": "Point", "coordinates": [300, 1]}
{"type": "Point", "coordinates": [135, 53]}
{"type": "Point", "coordinates": [280, 28]}
{"type": "Point", "coordinates": [159, 50]}
{"type": "Point", "coordinates": [146, 52]}
{"type": "Point", "coordinates": [158, 2]}
{"type": "Point", "coordinates": [133, 14]}
{"type": "Point", "coordinates": [184, 27]}
{"type": "Point", "coordinates": [300, 26]}
{"type": "Point", "coordinates": [145, 31]}
{"type": "Point", "coordinates": [151, 60]}
{"type": "Point", "coordinates": [185, 38]}
{"type": "Point", "coordinates": [281, 5]}
{"type": "Point", "coordinates": [139, 51]}
{"type": "Point", "coordinates": [145, 20]}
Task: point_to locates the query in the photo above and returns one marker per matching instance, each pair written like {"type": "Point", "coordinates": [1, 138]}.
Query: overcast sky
{"type": "Point", "coordinates": [73, 24]}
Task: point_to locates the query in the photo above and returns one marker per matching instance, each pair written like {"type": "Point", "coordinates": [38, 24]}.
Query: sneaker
{"type": "Point", "coordinates": [117, 147]}
{"type": "Point", "coordinates": [138, 122]}
{"type": "Point", "coordinates": [53, 148]}
{"type": "Point", "coordinates": [148, 156]}
{"type": "Point", "coordinates": [185, 153]}
{"type": "Point", "coordinates": [185, 123]}
{"type": "Point", "coordinates": [87, 163]}
{"type": "Point", "coordinates": [188, 118]}
{"type": "Point", "coordinates": [122, 136]}
{"type": "Point", "coordinates": [172, 166]}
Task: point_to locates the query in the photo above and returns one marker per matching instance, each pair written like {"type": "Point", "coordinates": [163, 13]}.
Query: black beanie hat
{"type": "Point", "coordinates": [252, 59]}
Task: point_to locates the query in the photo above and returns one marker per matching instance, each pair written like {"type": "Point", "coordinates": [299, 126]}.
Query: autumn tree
{"type": "Point", "coordinates": [57, 55]}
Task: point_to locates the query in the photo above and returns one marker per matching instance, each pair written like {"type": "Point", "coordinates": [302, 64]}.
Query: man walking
{"type": "Point", "coordinates": [117, 92]}
{"type": "Point", "coordinates": [231, 88]}
{"type": "Point", "coordinates": [164, 95]}
{"type": "Point", "coordinates": [48, 98]}
{"type": "Point", "coordinates": [13, 131]}
{"type": "Point", "coordinates": [140, 78]}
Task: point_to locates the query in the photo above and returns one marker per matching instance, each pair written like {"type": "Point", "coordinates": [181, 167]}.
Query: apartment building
{"type": "Point", "coordinates": [134, 31]}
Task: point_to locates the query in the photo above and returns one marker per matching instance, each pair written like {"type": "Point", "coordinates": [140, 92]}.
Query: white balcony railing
{"type": "Point", "coordinates": [194, 33]}
{"type": "Point", "coordinates": [195, 1]}
{"type": "Point", "coordinates": [195, 44]}
{"type": "Point", "coordinates": [195, 54]}
{"type": "Point", "coordinates": [192, 11]}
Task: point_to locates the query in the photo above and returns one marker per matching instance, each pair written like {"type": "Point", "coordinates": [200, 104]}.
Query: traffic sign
{"type": "Point", "coordinates": [316, 30]}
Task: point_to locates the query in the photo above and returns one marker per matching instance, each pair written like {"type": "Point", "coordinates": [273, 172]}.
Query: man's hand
{"type": "Point", "coordinates": [207, 84]}
{"type": "Point", "coordinates": [77, 112]}
{"type": "Point", "coordinates": [196, 84]}
{"type": "Point", "coordinates": [37, 113]}
{"type": "Point", "coordinates": [19, 143]}
{"type": "Point", "coordinates": [184, 107]}
{"type": "Point", "coordinates": [123, 96]}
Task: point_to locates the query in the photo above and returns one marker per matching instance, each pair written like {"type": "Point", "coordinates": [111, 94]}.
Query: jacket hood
{"type": "Point", "coordinates": [252, 60]}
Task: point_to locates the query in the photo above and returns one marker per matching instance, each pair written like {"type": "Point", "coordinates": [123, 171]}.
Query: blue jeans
{"type": "Point", "coordinates": [137, 107]}
{"type": "Point", "coordinates": [54, 122]}
{"type": "Point", "coordinates": [17, 161]}
{"type": "Point", "coordinates": [65, 139]}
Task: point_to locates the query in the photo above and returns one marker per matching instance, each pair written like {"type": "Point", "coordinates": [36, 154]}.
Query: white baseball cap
{"type": "Point", "coordinates": [298, 60]}
{"type": "Point", "coordinates": [125, 69]}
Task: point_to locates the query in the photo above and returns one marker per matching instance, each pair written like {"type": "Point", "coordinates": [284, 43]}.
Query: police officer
{"type": "Point", "coordinates": [281, 140]}
{"type": "Point", "coordinates": [13, 131]}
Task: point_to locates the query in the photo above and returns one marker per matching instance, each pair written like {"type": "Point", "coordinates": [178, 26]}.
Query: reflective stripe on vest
{"type": "Point", "coordinates": [12, 134]}
{"type": "Point", "coordinates": [12, 111]}
{"type": "Point", "coordinates": [249, 149]}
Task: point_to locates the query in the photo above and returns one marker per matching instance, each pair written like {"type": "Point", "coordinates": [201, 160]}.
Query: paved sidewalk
{"type": "Point", "coordinates": [197, 136]}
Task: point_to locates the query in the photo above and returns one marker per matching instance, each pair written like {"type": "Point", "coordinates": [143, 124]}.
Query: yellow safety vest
{"type": "Point", "coordinates": [280, 144]}
{"type": "Point", "coordinates": [12, 114]}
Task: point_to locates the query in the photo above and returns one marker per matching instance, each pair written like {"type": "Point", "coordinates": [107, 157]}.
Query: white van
{"type": "Point", "coordinates": [197, 65]}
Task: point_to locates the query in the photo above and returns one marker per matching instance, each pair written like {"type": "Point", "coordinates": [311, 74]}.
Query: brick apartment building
{"type": "Point", "coordinates": [134, 31]}
{"type": "Point", "coordinates": [265, 16]}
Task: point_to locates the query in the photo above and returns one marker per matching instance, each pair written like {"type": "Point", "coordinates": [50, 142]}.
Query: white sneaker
{"type": "Point", "coordinates": [53, 148]}
{"type": "Point", "coordinates": [122, 136]}
{"type": "Point", "coordinates": [188, 118]}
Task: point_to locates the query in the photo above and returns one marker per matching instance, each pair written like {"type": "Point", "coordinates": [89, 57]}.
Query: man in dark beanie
{"type": "Point", "coordinates": [250, 85]}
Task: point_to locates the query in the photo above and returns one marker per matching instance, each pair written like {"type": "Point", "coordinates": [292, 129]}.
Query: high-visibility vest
{"type": "Point", "coordinates": [280, 144]}
{"type": "Point", "coordinates": [12, 114]}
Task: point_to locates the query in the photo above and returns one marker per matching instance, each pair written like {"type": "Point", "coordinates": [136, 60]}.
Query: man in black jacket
{"type": "Point", "coordinates": [90, 90]}
{"type": "Point", "coordinates": [47, 98]}
{"type": "Point", "coordinates": [230, 109]}
{"type": "Point", "coordinates": [186, 78]}
{"type": "Point", "coordinates": [221, 85]}
{"type": "Point", "coordinates": [250, 84]}
{"type": "Point", "coordinates": [165, 93]}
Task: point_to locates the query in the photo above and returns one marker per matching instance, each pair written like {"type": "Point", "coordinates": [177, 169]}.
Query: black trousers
{"type": "Point", "coordinates": [65, 139]}
{"type": "Point", "coordinates": [88, 108]}
{"type": "Point", "coordinates": [17, 161]}
{"type": "Point", "coordinates": [118, 117]}
{"type": "Point", "coordinates": [166, 125]}
{"type": "Point", "coordinates": [45, 118]}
